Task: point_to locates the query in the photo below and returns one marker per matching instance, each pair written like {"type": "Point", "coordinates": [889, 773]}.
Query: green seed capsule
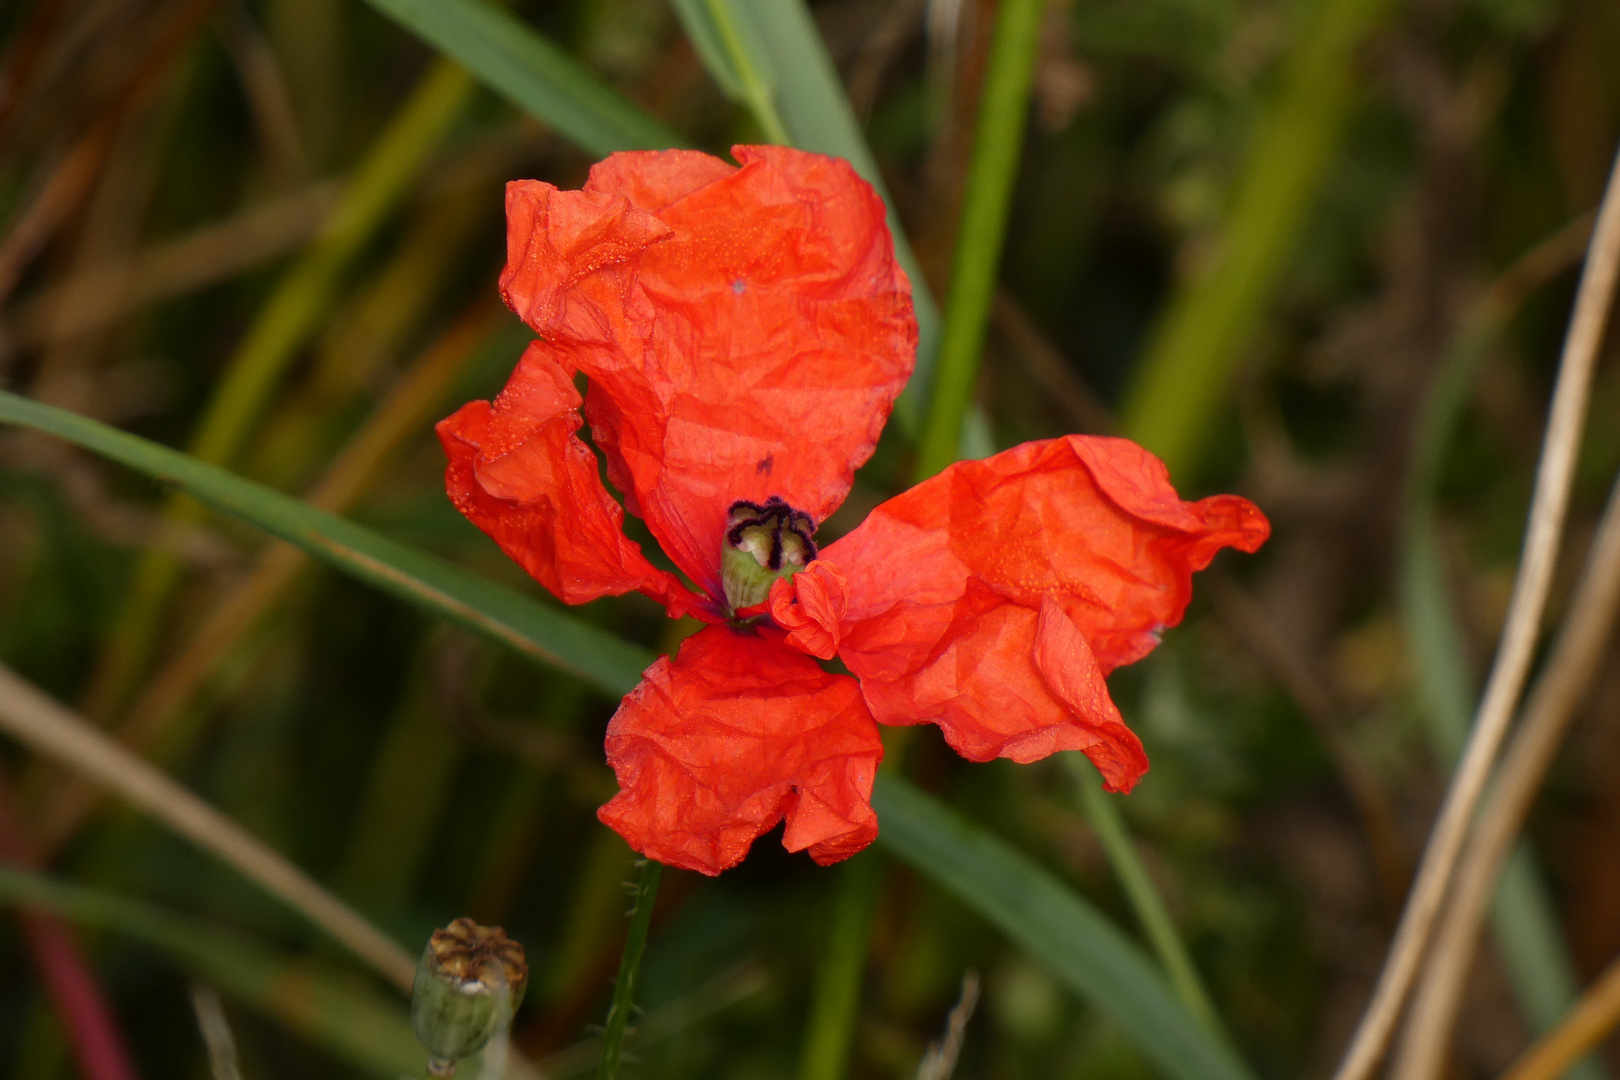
{"type": "Point", "coordinates": [469, 982]}
{"type": "Point", "coordinates": [764, 541]}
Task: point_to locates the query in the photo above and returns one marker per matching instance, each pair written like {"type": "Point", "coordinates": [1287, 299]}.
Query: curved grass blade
{"type": "Point", "coordinates": [330, 1007]}
{"type": "Point", "coordinates": [724, 42]}
{"type": "Point", "coordinates": [1151, 912]}
{"type": "Point", "coordinates": [526, 625]}
{"type": "Point", "coordinates": [505, 54]}
{"type": "Point", "coordinates": [1060, 931]}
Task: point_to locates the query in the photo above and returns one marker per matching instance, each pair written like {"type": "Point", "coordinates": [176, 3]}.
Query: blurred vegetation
{"type": "Point", "coordinates": [169, 174]}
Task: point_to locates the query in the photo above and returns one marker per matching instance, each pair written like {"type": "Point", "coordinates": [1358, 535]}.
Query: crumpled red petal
{"type": "Point", "coordinates": [715, 747]}
{"type": "Point", "coordinates": [556, 239]}
{"type": "Point", "coordinates": [810, 607]}
{"type": "Point", "coordinates": [520, 473]}
{"type": "Point", "coordinates": [993, 598]}
{"type": "Point", "coordinates": [1013, 682]}
{"type": "Point", "coordinates": [745, 330]}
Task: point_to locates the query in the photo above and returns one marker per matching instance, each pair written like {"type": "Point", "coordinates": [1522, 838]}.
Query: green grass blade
{"type": "Point", "coordinates": [836, 1001]}
{"type": "Point", "coordinates": [1058, 930]}
{"type": "Point", "coordinates": [330, 1007]}
{"type": "Point", "coordinates": [281, 328]}
{"type": "Point", "coordinates": [723, 38]}
{"type": "Point", "coordinates": [285, 322]}
{"type": "Point", "coordinates": [526, 625]}
{"type": "Point", "coordinates": [817, 115]}
{"type": "Point", "coordinates": [1109, 825]}
{"type": "Point", "coordinates": [998, 141]}
{"type": "Point", "coordinates": [1181, 383]}
{"type": "Point", "coordinates": [505, 54]}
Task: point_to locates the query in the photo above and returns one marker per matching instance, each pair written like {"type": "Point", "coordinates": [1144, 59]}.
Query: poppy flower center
{"type": "Point", "coordinates": [763, 543]}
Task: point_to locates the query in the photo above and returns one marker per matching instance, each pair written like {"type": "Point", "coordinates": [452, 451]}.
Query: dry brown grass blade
{"type": "Point", "coordinates": [939, 1063]}
{"type": "Point", "coordinates": [212, 253]}
{"type": "Point", "coordinates": [1594, 1016]}
{"type": "Point", "coordinates": [53, 731]}
{"type": "Point", "coordinates": [1547, 716]}
{"type": "Point", "coordinates": [1511, 666]}
{"type": "Point", "coordinates": [22, 59]}
{"type": "Point", "coordinates": [1535, 268]}
{"type": "Point", "coordinates": [67, 186]}
{"type": "Point", "coordinates": [404, 412]}
{"type": "Point", "coordinates": [1049, 368]}
{"type": "Point", "coordinates": [73, 177]}
{"type": "Point", "coordinates": [267, 93]}
{"type": "Point", "coordinates": [1316, 701]}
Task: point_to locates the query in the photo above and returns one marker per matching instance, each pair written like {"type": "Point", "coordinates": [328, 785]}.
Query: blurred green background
{"type": "Point", "coordinates": [1251, 233]}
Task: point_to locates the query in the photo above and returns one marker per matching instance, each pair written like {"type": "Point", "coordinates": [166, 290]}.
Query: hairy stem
{"type": "Point", "coordinates": [618, 1018]}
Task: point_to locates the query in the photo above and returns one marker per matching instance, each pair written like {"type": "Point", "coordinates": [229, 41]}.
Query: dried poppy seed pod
{"type": "Point", "coordinates": [469, 982]}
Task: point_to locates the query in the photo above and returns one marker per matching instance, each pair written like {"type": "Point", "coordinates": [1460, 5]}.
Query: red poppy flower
{"type": "Point", "coordinates": [743, 333]}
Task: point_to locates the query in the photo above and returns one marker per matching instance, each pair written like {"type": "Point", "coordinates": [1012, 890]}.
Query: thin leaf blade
{"type": "Point", "coordinates": [1058, 929]}
{"type": "Point", "coordinates": [509, 57]}
{"type": "Point", "coordinates": [526, 625]}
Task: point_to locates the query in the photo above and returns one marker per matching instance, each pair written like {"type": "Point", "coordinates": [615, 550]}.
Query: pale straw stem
{"type": "Point", "coordinates": [1514, 653]}
{"type": "Point", "coordinates": [1546, 717]}
{"type": "Point", "coordinates": [939, 1063]}
{"type": "Point", "coordinates": [55, 732]}
{"type": "Point", "coordinates": [1593, 1017]}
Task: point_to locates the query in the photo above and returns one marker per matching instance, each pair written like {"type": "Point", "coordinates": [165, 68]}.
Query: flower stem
{"type": "Point", "coordinates": [998, 140]}
{"type": "Point", "coordinates": [1144, 898]}
{"type": "Point", "coordinates": [838, 977]}
{"type": "Point", "coordinates": [624, 989]}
